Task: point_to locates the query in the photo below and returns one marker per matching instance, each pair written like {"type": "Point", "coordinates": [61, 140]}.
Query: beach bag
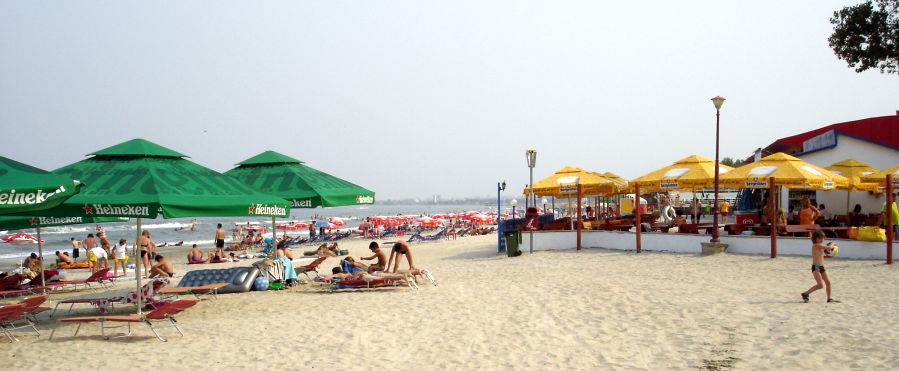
{"type": "Point", "coordinates": [875, 234]}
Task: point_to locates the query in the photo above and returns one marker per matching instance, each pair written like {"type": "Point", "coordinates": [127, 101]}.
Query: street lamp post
{"type": "Point", "coordinates": [717, 101]}
{"type": "Point", "coordinates": [532, 161]}
{"type": "Point", "coordinates": [500, 247]}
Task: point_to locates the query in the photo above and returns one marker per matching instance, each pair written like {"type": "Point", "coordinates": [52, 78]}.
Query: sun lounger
{"type": "Point", "coordinates": [99, 277]}
{"type": "Point", "coordinates": [311, 267]}
{"type": "Point", "coordinates": [367, 281]}
{"type": "Point", "coordinates": [162, 314]}
{"type": "Point", "coordinates": [105, 303]}
{"type": "Point", "coordinates": [14, 317]}
{"type": "Point", "coordinates": [197, 291]}
{"type": "Point", "coordinates": [33, 306]}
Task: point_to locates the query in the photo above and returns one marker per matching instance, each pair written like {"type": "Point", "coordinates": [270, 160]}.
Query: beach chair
{"type": "Point", "coordinates": [311, 267]}
{"type": "Point", "coordinates": [368, 282]}
{"type": "Point", "coordinates": [164, 314]}
{"type": "Point", "coordinates": [33, 306]}
{"type": "Point", "coordinates": [99, 277]}
{"type": "Point", "coordinates": [14, 317]}
{"type": "Point", "coordinates": [105, 304]}
{"type": "Point", "coordinates": [197, 291]}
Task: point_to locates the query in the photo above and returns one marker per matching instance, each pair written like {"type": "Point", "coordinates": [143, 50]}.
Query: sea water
{"type": "Point", "coordinates": [173, 231]}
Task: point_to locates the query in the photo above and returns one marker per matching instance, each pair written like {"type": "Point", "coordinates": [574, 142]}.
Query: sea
{"type": "Point", "coordinates": [173, 231]}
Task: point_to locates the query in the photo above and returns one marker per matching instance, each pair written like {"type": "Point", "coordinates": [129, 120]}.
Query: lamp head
{"type": "Point", "coordinates": [514, 202]}
{"type": "Point", "coordinates": [531, 155]}
{"type": "Point", "coordinates": [544, 201]}
{"type": "Point", "coordinates": [502, 186]}
{"type": "Point", "coordinates": [718, 101]}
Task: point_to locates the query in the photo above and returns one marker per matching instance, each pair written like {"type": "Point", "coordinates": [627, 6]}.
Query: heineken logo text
{"type": "Point", "coordinates": [301, 203]}
{"type": "Point", "coordinates": [260, 209]}
{"type": "Point", "coordinates": [129, 210]}
{"type": "Point", "coordinates": [365, 200]}
{"type": "Point", "coordinates": [31, 198]}
{"type": "Point", "coordinates": [57, 221]}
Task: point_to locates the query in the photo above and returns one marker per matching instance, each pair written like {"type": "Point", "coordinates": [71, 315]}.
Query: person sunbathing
{"type": "Point", "coordinates": [195, 255]}
{"type": "Point", "coordinates": [338, 273]}
{"type": "Point", "coordinates": [324, 250]}
{"type": "Point", "coordinates": [217, 257]}
{"type": "Point", "coordinates": [63, 259]}
{"type": "Point", "coordinates": [350, 265]}
{"type": "Point", "coordinates": [162, 268]}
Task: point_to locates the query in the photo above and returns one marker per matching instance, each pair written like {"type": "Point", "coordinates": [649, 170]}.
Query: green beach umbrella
{"type": "Point", "coordinates": [305, 187]}
{"type": "Point", "coordinates": [25, 188]}
{"type": "Point", "coordinates": [141, 179]}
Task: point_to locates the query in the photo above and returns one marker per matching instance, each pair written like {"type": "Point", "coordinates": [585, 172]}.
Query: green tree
{"type": "Point", "coordinates": [866, 37]}
{"type": "Point", "coordinates": [731, 162]}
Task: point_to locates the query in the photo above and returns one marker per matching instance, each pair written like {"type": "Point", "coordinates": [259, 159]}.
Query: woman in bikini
{"type": "Point", "coordinates": [147, 246]}
{"type": "Point", "coordinates": [399, 250]}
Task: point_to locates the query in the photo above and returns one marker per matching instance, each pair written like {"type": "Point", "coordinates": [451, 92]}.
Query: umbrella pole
{"type": "Point", "coordinates": [637, 215]}
{"type": "Point", "coordinates": [772, 194]}
{"type": "Point", "coordinates": [137, 262]}
{"type": "Point", "coordinates": [274, 243]}
{"type": "Point", "coordinates": [578, 219]}
{"type": "Point", "coordinates": [888, 210]}
{"type": "Point", "coordinates": [847, 201]}
{"type": "Point", "coordinates": [40, 252]}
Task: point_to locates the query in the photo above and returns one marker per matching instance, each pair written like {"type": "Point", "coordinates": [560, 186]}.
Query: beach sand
{"type": "Point", "coordinates": [593, 309]}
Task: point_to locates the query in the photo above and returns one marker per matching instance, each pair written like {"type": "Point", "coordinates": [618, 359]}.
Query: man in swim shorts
{"type": "Point", "coordinates": [219, 240]}
{"type": "Point", "coordinates": [195, 255]}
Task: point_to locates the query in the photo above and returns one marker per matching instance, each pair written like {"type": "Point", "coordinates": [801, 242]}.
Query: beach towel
{"type": "Point", "coordinates": [348, 267]}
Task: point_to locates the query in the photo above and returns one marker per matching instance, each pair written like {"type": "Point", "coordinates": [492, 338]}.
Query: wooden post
{"type": "Point", "coordinates": [579, 217]}
{"type": "Point", "coordinates": [888, 210]}
{"type": "Point", "coordinates": [637, 214]}
{"type": "Point", "coordinates": [772, 213]}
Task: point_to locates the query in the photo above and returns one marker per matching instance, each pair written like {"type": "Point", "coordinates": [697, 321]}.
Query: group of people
{"type": "Point", "coordinates": [350, 268]}
{"type": "Point", "coordinates": [98, 252]}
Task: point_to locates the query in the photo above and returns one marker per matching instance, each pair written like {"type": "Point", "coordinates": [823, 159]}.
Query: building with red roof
{"type": "Point", "coordinates": [874, 141]}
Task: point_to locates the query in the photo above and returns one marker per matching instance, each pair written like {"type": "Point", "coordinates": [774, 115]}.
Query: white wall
{"type": "Point", "coordinates": [690, 243]}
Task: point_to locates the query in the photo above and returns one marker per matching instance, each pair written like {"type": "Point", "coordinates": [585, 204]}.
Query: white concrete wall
{"type": "Point", "coordinates": [690, 243]}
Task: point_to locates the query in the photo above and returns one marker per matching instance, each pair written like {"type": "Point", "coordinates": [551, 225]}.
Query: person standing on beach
{"type": "Point", "coordinates": [818, 271]}
{"type": "Point", "coordinates": [312, 230]}
{"type": "Point", "coordinates": [220, 239]}
{"type": "Point", "coordinates": [400, 249]}
{"type": "Point", "coordinates": [120, 254]}
{"type": "Point", "coordinates": [808, 213]}
{"type": "Point", "coordinates": [724, 209]}
{"type": "Point", "coordinates": [75, 249]}
{"type": "Point", "coordinates": [894, 214]}
{"type": "Point", "coordinates": [147, 246]}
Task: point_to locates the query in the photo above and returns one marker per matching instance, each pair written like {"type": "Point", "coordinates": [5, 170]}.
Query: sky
{"type": "Point", "coordinates": [417, 98]}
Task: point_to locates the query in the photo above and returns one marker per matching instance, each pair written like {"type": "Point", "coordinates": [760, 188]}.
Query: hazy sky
{"type": "Point", "coordinates": [414, 98]}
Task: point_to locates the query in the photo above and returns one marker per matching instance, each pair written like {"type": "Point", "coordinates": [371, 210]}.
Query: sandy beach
{"type": "Point", "coordinates": [593, 309]}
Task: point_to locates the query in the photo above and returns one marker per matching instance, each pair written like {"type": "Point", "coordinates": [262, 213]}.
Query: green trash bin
{"type": "Point", "coordinates": [513, 240]}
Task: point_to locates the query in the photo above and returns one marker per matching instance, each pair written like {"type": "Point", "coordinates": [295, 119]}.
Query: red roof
{"type": "Point", "coordinates": [878, 130]}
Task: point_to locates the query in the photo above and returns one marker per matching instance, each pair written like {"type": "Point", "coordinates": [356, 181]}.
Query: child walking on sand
{"type": "Point", "coordinates": [818, 271]}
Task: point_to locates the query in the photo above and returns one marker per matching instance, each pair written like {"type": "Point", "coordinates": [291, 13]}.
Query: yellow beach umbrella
{"type": "Point", "coordinates": [620, 183]}
{"type": "Point", "coordinates": [788, 171]}
{"type": "Point", "coordinates": [691, 172]}
{"type": "Point", "coordinates": [854, 170]}
{"type": "Point", "coordinates": [591, 183]}
{"type": "Point", "coordinates": [879, 177]}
